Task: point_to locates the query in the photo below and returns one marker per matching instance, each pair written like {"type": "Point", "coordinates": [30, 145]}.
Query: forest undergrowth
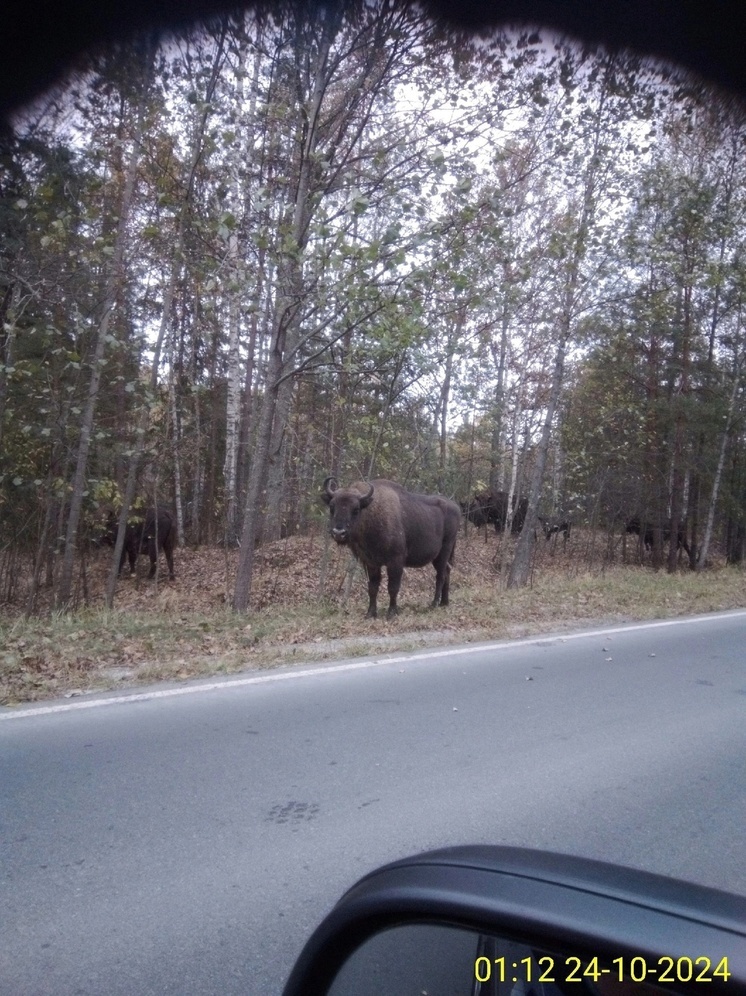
{"type": "Point", "coordinates": [309, 605]}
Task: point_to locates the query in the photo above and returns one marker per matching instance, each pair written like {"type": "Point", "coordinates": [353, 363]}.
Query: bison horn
{"type": "Point", "coordinates": [328, 491]}
{"type": "Point", "coordinates": [365, 500]}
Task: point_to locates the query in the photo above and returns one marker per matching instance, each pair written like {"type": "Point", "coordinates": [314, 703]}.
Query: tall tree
{"type": "Point", "coordinates": [601, 112]}
{"type": "Point", "coordinates": [112, 288]}
{"type": "Point", "coordinates": [341, 61]}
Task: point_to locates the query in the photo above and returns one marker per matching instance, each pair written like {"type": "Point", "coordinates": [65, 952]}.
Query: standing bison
{"type": "Point", "coordinates": [492, 506]}
{"type": "Point", "coordinates": [386, 526]}
{"type": "Point", "coordinates": [476, 512]}
{"type": "Point", "coordinates": [553, 527]}
{"type": "Point", "coordinates": [646, 533]}
{"type": "Point", "coordinates": [148, 535]}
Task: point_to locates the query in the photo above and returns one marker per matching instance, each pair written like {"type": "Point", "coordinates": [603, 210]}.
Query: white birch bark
{"type": "Point", "coordinates": [176, 449]}
{"type": "Point", "coordinates": [244, 132]}
{"type": "Point", "coordinates": [233, 402]}
{"type": "Point", "coordinates": [703, 553]}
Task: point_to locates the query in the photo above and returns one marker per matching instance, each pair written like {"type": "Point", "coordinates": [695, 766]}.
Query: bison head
{"type": "Point", "coordinates": [105, 530]}
{"type": "Point", "coordinates": [345, 505]}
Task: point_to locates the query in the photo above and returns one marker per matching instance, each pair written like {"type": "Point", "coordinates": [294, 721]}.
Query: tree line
{"type": "Point", "coordinates": [341, 241]}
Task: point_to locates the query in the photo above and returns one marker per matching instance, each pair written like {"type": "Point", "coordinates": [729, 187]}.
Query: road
{"type": "Point", "coordinates": [187, 844]}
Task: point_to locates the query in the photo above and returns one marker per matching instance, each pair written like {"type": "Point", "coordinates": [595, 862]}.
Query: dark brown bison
{"type": "Point", "coordinates": [142, 535]}
{"type": "Point", "coordinates": [645, 531]}
{"type": "Point", "coordinates": [479, 511]}
{"type": "Point", "coordinates": [492, 506]}
{"type": "Point", "coordinates": [475, 512]}
{"type": "Point", "coordinates": [553, 527]}
{"type": "Point", "coordinates": [495, 504]}
{"type": "Point", "coordinates": [386, 526]}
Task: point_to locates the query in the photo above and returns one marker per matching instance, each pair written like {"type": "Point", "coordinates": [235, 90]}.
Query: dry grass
{"type": "Point", "coordinates": [302, 612]}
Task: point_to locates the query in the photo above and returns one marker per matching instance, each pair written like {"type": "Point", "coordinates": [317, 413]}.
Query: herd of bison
{"type": "Point", "coordinates": [383, 525]}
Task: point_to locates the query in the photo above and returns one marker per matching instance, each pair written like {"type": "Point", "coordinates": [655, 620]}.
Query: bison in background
{"type": "Point", "coordinates": [150, 534]}
{"type": "Point", "coordinates": [386, 526]}
{"type": "Point", "coordinates": [645, 531]}
{"type": "Point", "coordinates": [492, 506]}
{"type": "Point", "coordinates": [482, 510]}
{"type": "Point", "coordinates": [476, 512]}
{"type": "Point", "coordinates": [555, 527]}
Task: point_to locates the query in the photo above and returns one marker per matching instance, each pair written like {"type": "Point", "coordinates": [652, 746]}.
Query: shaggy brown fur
{"type": "Point", "coordinates": [386, 526]}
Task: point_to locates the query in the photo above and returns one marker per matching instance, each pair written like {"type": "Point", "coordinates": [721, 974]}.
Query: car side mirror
{"type": "Point", "coordinates": [498, 921]}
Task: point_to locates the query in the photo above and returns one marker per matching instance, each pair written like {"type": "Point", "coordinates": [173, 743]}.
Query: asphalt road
{"type": "Point", "coordinates": [187, 844]}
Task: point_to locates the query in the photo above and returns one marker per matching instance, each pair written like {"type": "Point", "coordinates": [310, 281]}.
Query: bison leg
{"type": "Point", "coordinates": [445, 588]}
{"type": "Point", "coordinates": [442, 565]}
{"type": "Point", "coordinates": [683, 543]}
{"type": "Point", "coordinates": [442, 584]}
{"type": "Point", "coordinates": [394, 583]}
{"type": "Point", "coordinates": [374, 583]}
{"type": "Point", "coordinates": [168, 549]}
{"type": "Point", "coordinates": [167, 546]}
{"type": "Point", "coordinates": [153, 554]}
{"type": "Point", "coordinates": [129, 552]}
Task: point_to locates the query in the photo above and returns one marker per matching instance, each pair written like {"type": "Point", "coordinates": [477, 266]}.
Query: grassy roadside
{"type": "Point", "coordinates": [172, 634]}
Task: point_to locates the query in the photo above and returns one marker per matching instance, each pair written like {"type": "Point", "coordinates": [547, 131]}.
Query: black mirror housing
{"type": "Point", "coordinates": [574, 907]}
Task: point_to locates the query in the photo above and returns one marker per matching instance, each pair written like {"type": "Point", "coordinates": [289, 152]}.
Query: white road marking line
{"type": "Point", "coordinates": [256, 679]}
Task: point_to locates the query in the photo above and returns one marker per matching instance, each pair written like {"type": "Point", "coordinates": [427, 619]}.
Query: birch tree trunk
{"type": "Point", "coordinates": [232, 407]}
{"type": "Point", "coordinates": [445, 397]}
{"type": "Point", "coordinates": [243, 145]}
{"type": "Point", "coordinates": [173, 404]}
{"type": "Point", "coordinates": [8, 331]}
{"type": "Point", "coordinates": [681, 388]}
{"type": "Point", "coordinates": [704, 552]}
{"type": "Point", "coordinates": [520, 568]}
{"type": "Point", "coordinates": [496, 448]}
